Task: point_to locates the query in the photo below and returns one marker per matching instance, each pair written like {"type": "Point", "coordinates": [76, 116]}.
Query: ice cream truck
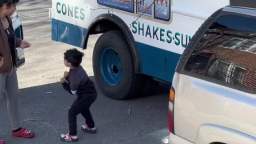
{"type": "Point", "coordinates": [140, 39]}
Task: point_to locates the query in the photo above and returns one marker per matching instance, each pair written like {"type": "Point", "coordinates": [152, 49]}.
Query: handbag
{"type": "Point", "coordinates": [17, 27]}
{"type": "Point", "coordinates": [20, 57]}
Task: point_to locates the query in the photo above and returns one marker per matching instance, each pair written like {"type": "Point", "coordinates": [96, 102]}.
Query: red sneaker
{"type": "Point", "coordinates": [2, 142]}
{"type": "Point", "coordinates": [23, 133]}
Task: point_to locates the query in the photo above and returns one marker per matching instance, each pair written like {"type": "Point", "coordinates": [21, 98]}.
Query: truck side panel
{"type": "Point", "coordinates": [68, 33]}
{"type": "Point", "coordinates": [158, 43]}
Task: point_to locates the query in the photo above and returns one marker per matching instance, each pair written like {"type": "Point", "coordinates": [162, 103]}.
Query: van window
{"type": "Point", "coordinates": [226, 54]}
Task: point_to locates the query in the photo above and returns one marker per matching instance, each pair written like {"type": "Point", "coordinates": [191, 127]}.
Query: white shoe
{"type": "Point", "coordinates": [68, 138]}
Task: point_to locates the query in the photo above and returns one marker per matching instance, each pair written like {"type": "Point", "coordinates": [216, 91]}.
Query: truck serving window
{"type": "Point", "coordinates": [145, 7]}
{"type": "Point", "coordinates": [160, 9]}
{"type": "Point", "coordinates": [157, 9]}
{"type": "Point", "coordinates": [226, 54]}
{"type": "Point", "coordinates": [126, 5]}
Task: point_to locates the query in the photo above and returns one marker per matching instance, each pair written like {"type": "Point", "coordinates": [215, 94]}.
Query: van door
{"type": "Point", "coordinates": [217, 84]}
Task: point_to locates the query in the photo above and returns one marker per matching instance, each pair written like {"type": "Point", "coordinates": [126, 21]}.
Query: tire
{"type": "Point", "coordinates": [113, 66]}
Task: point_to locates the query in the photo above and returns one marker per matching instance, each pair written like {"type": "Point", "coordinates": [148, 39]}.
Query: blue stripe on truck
{"type": "Point", "coordinates": [154, 62]}
{"type": "Point", "coordinates": [68, 33]}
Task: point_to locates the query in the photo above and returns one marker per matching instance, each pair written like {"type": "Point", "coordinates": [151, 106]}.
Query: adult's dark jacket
{"type": "Point", "coordinates": [5, 49]}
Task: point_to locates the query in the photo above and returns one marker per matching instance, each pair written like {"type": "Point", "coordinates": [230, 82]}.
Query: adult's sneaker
{"type": "Point", "coordinates": [23, 133]}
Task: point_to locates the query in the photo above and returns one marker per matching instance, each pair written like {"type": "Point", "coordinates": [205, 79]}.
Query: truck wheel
{"type": "Point", "coordinates": [113, 66]}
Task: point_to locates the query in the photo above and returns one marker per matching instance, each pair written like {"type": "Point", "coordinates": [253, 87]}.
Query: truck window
{"type": "Point", "coordinates": [161, 9]}
{"type": "Point", "coordinates": [126, 5]}
{"type": "Point", "coordinates": [226, 53]}
{"type": "Point", "coordinates": [157, 9]}
{"type": "Point", "coordinates": [145, 7]}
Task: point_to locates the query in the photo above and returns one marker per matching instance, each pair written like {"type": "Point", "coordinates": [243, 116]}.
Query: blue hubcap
{"type": "Point", "coordinates": [111, 67]}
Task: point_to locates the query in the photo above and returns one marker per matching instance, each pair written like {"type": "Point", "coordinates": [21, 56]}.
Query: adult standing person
{"type": "Point", "coordinates": [8, 76]}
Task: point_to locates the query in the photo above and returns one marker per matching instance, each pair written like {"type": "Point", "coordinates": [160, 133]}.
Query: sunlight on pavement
{"type": "Point", "coordinates": [165, 140]}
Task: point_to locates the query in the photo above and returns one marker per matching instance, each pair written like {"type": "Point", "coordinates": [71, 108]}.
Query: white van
{"type": "Point", "coordinates": [213, 99]}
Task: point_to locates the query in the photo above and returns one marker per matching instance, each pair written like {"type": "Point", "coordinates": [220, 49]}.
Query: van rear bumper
{"type": "Point", "coordinates": [173, 139]}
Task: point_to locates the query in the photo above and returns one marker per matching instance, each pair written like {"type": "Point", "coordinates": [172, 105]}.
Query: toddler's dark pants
{"type": "Point", "coordinates": [81, 106]}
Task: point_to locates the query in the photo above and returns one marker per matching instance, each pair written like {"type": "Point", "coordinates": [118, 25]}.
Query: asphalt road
{"type": "Point", "coordinates": [44, 105]}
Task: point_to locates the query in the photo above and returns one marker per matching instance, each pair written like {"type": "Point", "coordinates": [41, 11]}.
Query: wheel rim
{"type": "Point", "coordinates": [111, 67]}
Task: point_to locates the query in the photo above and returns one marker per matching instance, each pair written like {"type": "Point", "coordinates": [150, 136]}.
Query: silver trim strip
{"type": "Point", "coordinates": [240, 10]}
